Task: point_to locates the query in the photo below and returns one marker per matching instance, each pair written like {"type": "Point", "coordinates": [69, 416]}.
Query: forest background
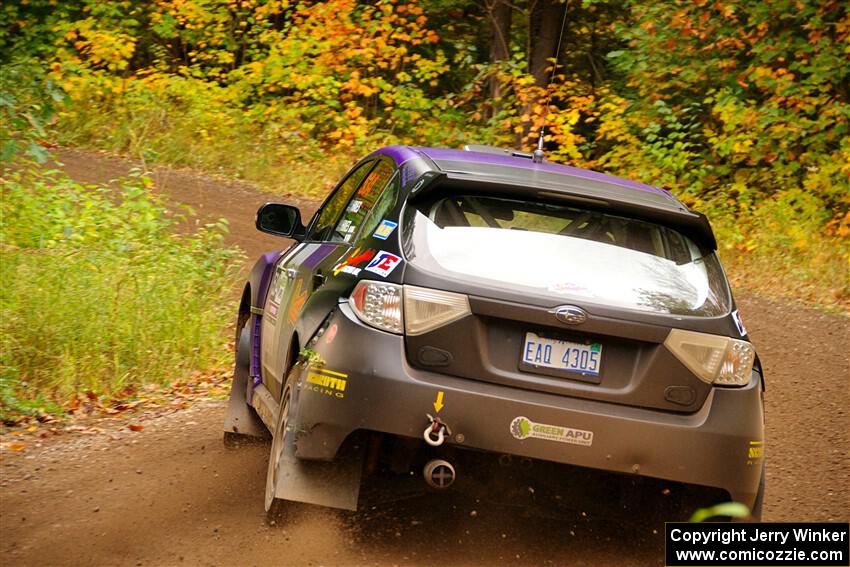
{"type": "Point", "coordinates": [741, 108]}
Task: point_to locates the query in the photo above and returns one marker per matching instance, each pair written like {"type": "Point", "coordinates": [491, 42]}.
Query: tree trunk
{"type": "Point", "coordinates": [499, 19]}
{"type": "Point", "coordinates": [544, 26]}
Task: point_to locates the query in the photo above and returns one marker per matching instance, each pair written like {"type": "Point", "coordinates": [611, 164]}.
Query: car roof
{"type": "Point", "coordinates": [512, 174]}
{"type": "Point", "coordinates": [522, 170]}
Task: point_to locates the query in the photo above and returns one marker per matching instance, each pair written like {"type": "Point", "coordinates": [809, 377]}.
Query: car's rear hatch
{"type": "Point", "coordinates": [623, 282]}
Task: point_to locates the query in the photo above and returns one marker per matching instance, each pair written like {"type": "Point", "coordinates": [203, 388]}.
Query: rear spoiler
{"type": "Point", "coordinates": [653, 207]}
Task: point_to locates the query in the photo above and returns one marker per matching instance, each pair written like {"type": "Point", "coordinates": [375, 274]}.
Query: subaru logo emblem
{"type": "Point", "coordinates": [570, 314]}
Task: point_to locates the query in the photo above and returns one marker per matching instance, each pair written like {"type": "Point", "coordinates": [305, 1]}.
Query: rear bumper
{"type": "Point", "coordinates": [712, 447]}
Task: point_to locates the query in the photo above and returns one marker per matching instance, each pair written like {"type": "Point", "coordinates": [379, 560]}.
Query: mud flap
{"type": "Point", "coordinates": [241, 418]}
{"type": "Point", "coordinates": [334, 484]}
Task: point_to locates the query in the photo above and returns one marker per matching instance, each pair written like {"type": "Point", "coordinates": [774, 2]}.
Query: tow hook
{"type": "Point", "coordinates": [436, 432]}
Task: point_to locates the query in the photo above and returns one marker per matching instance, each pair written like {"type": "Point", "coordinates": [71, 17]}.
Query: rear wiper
{"type": "Point", "coordinates": [693, 260]}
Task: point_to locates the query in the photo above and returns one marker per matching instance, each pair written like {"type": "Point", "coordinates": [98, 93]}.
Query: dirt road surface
{"type": "Point", "coordinates": [173, 495]}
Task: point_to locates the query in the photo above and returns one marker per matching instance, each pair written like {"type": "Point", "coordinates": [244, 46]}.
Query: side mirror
{"type": "Point", "coordinates": [280, 220]}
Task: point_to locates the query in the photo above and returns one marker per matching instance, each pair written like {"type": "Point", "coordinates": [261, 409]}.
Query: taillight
{"type": "Point", "coordinates": [426, 309]}
{"type": "Point", "coordinates": [712, 358]}
{"type": "Point", "coordinates": [380, 305]}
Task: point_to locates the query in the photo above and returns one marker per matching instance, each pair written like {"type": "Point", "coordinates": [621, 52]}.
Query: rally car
{"type": "Point", "coordinates": [444, 302]}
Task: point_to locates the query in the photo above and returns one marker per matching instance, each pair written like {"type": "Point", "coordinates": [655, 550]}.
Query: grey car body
{"type": "Point", "coordinates": [623, 291]}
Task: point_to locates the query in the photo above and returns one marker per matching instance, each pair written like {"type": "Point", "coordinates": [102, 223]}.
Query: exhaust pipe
{"type": "Point", "coordinates": [439, 474]}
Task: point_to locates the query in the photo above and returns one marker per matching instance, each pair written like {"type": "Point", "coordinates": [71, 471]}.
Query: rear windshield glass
{"type": "Point", "coordinates": [565, 252]}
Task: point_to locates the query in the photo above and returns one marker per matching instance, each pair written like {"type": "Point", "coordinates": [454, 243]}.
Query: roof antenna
{"type": "Point", "coordinates": [538, 155]}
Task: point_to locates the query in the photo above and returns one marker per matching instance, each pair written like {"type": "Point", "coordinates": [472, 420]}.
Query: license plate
{"type": "Point", "coordinates": [562, 355]}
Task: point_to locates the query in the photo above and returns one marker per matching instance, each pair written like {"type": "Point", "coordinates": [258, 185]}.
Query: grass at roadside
{"type": "Point", "coordinates": [187, 123]}
{"type": "Point", "coordinates": [99, 293]}
{"type": "Point", "coordinates": [784, 253]}
{"type": "Point", "coordinates": [817, 277]}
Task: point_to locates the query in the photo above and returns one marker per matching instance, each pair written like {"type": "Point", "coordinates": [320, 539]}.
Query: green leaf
{"type": "Point", "coordinates": [38, 153]}
{"type": "Point", "coordinates": [8, 150]}
{"type": "Point", "coordinates": [726, 510]}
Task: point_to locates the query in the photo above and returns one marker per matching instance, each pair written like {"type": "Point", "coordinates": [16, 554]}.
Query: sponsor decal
{"type": "Point", "coordinates": [523, 428]}
{"type": "Point", "coordinates": [755, 452]}
{"type": "Point", "coordinates": [326, 382]}
{"type": "Point", "coordinates": [278, 285]}
{"type": "Point", "coordinates": [385, 229]}
{"type": "Point", "coordinates": [349, 232]}
{"type": "Point", "coordinates": [276, 290]}
{"type": "Point", "coordinates": [739, 323]}
{"type": "Point", "coordinates": [354, 206]}
{"type": "Point", "coordinates": [383, 264]}
{"type": "Point", "coordinates": [355, 258]}
{"type": "Point", "coordinates": [344, 227]}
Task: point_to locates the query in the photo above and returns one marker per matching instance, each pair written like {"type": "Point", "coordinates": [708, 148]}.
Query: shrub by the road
{"type": "Point", "coordinates": [101, 290]}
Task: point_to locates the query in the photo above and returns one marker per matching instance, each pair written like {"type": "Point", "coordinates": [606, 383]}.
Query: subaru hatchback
{"type": "Point", "coordinates": [447, 303]}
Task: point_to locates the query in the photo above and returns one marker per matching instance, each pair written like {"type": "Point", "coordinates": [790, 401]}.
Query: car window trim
{"type": "Point", "coordinates": [380, 159]}
{"type": "Point", "coordinates": [389, 182]}
{"type": "Point", "coordinates": [315, 219]}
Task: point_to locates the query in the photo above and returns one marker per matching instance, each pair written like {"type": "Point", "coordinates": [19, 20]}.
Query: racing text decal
{"type": "Point", "coordinates": [755, 452]}
{"type": "Point", "coordinates": [326, 382]}
{"type": "Point", "coordinates": [523, 428]}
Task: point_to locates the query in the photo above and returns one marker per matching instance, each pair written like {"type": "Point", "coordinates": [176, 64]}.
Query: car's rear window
{"type": "Point", "coordinates": [566, 252]}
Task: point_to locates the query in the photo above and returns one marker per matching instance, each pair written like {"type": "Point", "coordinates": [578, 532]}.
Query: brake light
{"type": "Point", "coordinates": [415, 310]}
{"type": "Point", "coordinates": [378, 304]}
{"type": "Point", "coordinates": [426, 309]}
{"type": "Point", "coordinates": [713, 359]}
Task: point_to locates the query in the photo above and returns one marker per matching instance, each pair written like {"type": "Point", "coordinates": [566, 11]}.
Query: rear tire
{"type": "Point", "coordinates": [277, 508]}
